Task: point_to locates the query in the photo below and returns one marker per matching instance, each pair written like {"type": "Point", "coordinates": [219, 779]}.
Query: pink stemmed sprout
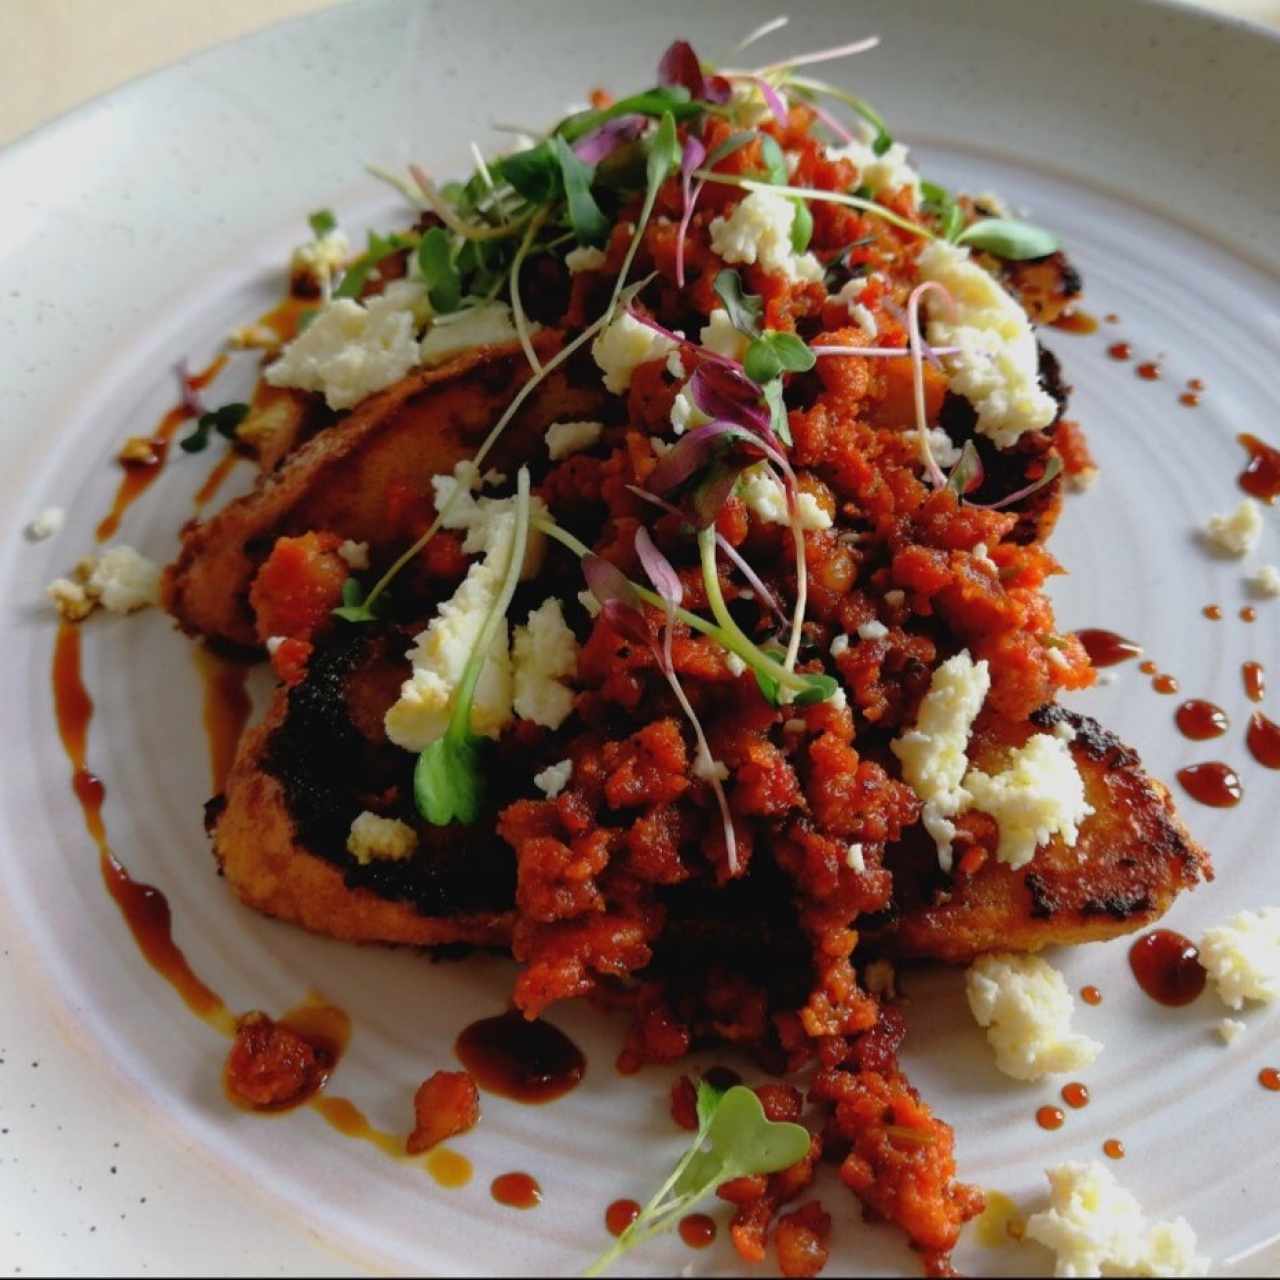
{"type": "Point", "coordinates": [832, 122]}
{"type": "Point", "coordinates": [666, 582]}
{"type": "Point", "coordinates": [821, 55]}
{"type": "Point", "coordinates": [936, 477]}
{"type": "Point", "coordinates": [692, 157]}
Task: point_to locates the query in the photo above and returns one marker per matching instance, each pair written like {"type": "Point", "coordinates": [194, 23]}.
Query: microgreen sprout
{"type": "Point", "coordinates": [743, 309]}
{"type": "Point", "coordinates": [439, 271]}
{"type": "Point", "coordinates": [732, 143]}
{"type": "Point", "coordinates": [322, 223]}
{"type": "Point", "coordinates": [517, 303]}
{"type": "Point", "coordinates": [448, 785]}
{"type": "Point", "coordinates": [734, 1139]}
{"type": "Point", "coordinates": [1010, 239]}
{"type": "Point", "coordinates": [1052, 468]}
{"type": "Point", "coordinates": [917, 370]}
{"type": "Point", "coordinates": [759, 33]}
{"type": "Point", "coordinates": [356, 607]}
{"type": "Point", "coordinates": [968, 472]}
{"type": "Point", "coordinates": [882, 140]}
{"type": "Point", "coordinates": [357, 274]}
{"type": "Point", "coordinates": [224, 421]}
{"type": "Point", "coordinates": [940, 202]}
{"type": "Point", "coordinates": [774, 353]}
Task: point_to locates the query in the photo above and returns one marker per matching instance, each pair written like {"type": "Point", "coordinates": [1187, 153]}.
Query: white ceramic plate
{"type": "Point", "coordinates": [141, 227]}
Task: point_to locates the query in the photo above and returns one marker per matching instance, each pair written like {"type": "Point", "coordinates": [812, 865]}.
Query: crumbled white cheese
{"type": "Point", "coordinates": [942, 449]}
{"type": "Point", "coordinates": [1229, 1030]}
{"type": "Point", "coordinates": [273, 644]}
{"type": "Point", "coordinates": [585, 258]}
{"type": "Point", "coordinates": [734, 663]}
{"type": "Point", "coordinates": [543, 653]}
{"type": "Point", "coordinates": [564, 438]}
{"type": "Point", "coordinates": [707, 769]}
{"type": "Point", "coordinates": [854, 858]}
{"type": "Point", "coordinates": [758, 230]}
{"type": "Point", "coordinates": [1055, 657]}
{"type": "Point", "coordinates": [624, 343]}
{"type": "Point", "coordinates": [71, 600]}
{"type": "Point", "coordinates": [1096, 1227]}
{"type": "Point", "coordinates": [1266, 582]}
{"type": "Point", "coordinates": [861, 315]}
{"type": "Point", "coordinates": [1242, 957]}
{"type": "Point", "coordinates": [589, 603]}
{"type": "Point", "coordinates": [981, 556]}
{"type": "Point", "coordinates": [1025, 1006]}
{"type": "Point", "coordinates": [46, 524]}
{"type": "Point", "coordinates": [883, 174]}
{"type": "Point", "coordinates": [350, 350]}
{"type": "Point", "coordinates": [838, 700]}
{"type": "Point", "coordinates": [123, 580]}
{"type": "Point", "coordinates": [872, 630]}
{"type": "Point", "coordinates": [1063, 729]}
{"type": "Point", "coordinates": [1236, 534]}
{"type": "Point", "coordinates": [933, 753]}
{"type": "Point", "coordinates": [554, 778]}
{"type": "Point", "coordinates": [675, 365]}
{"type": "Point", "coordinates": [998, 366]}
{"type": "Point", "coordinates": [685, 415]}
{"type": "Point", "coordinates": [880, 979]}
{"type": "Point", "coordinates": [476, 515]}
{"type": "Point", "coordinates": [320, 258]}
{"type": "Point", "coordinates": [488, 325]}
{"type": "Point", "coordinates": [839, 645]}
{"type": "Point", "coordinates": [719, 335]}
{"type": "Point", "coordinates": [766, 499]}
{"type": "Point", "coordinates": [356, 554]}
{"type": "Point", "coordinates": [1039, 794]}
{"type": "Point", "coordinates": [440, 653]}
{"type": "Point", "coordinates": [373, 837]}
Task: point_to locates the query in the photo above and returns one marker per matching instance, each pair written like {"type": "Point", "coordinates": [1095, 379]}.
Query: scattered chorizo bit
{"type": "Point", "coordinates": [803, 1239]}
{"type": "Point", "coordinates": [446, 1104]}
{"type": "Point", "coordinates": [271, 1067]}
{"type": "Point", "coordinates": [298, 586]}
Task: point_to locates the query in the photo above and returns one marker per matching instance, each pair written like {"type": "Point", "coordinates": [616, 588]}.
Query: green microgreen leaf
{"type": "Point", "coordinates": [734, 142]}
{"type": "Point", "coordinates": [773, 353]}
{"type": "Point", "coordinates": [534, 172]}
{"type": "Point", "coordinates": [354, 607]}
{"type": "Point", "coordinates": [588, 222]}
{"type": "Point", "coordinates": [673, 100]}
{"type": "Point", "coordinates": [744, 309]}
{"type": "Point", "coordinates": [357, 274]}
{"type": "Point", "coordinates": [734, 1139]}
{"type": "Point", "coordinates": [939, 201]}
{"type": "Point", "coordinates": [1010, 239]}
{"type": "Point", "coordinates": [801, 227]}
{"type": "Point", "coordinates": [322, 222]}
{"type": "Point", "coordinates": [775, 165]}
{"type": "Point", "coordinates": [778, 420]}
{"type": "Point", "coordinates": [224, 421]}
{"type": "Point", "coordinates": [439, 271]}
{"type": "Point", "coordinates": [664, 152]}
{"type": "Point", "coordinates": [967, 470]}
{"type": "Point", "coordinates": [448, 781]}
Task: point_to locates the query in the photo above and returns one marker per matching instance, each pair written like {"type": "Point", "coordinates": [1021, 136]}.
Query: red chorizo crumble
{"type": "Point", "coordinates": [271, 1066]}
{"type": "Point", "coordinates": [446, 1104]}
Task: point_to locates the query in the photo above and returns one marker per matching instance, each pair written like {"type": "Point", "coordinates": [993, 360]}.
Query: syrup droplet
{"type": "Point", "coordinates": [1050, 1117]}
{"type": "Point", "coordinates": [1091, 995]}
{"type": "Point", "coordinates": [1148, 370]}
{"type": "Point", "coordinates": [620, 1215]}
{"type": "Point", "coordinates": [1148, 668]}
{"type": "Point", "coordinates": [1213, 783]}
{"type": "Point", "coordinates": [1269, 1078]}
{"type": "Point", "coordinates": [1075, 1095]}
{"type": "Point", "coordinates": [1106, 648]}
{"type": "Point", "coordinates": [1198, 720]}
{"type": "Point", "coordinates": [1189, 398]}
{"type": "Point", "coordinates": [1248, 614]}
{"type": "Point", "coordinates": [697, 1230]}
{"type": "Point", "coordinates": [516, 1190]}
{"type": "Point", "coordinates": [1120, 351]}
{"type": "Point", "coordinates": [1167, 967]}
{"type": "Point", "coordinates": [1263, 740]}
{"type": "Point", "coordinates": [1165, 684]}
{"type": "Point", "coordinates": [1213, 612]}
{"type": "Point", "coordinates": [1113, 1148]}
{"type": "Point", "coordinates": [1261, 475]}
{"type": "Point", "coordinates": [1255, 681]}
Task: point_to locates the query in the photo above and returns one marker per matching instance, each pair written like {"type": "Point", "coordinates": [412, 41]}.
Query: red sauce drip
{"type": "Point", "coordinates": [1091, 995]}
{"type": "Point", "coordinates": [1255, 680]}
{"type": "Point", "coordinates": [1165, 684]}
{"type": "Point", "coordinates": [284, 320]}
{"type": "Point", "coordinates": [1215, 784]}
{"type": "Point", "coordinates": [1196, 384]}
{"type": "Point", "coordinates": [1149, 370]}
{"type": "Point", "coordinates": [1213, 612]}
{"type": "Point", "coordinates": [1189, 398]}
{"type": "Point", "coordinates": [1075, 1095]}
{"type": "Point", "coordinates": [722, 1078]}
{"type": "Point", "coordinates": [1076, 321]}
{"type": "Point", "coordinates": [1269, 1078]}
{"type": "Point", "coordinates": [1248, 614]}
{"type": "Point", "coordinates": [226, 710]}
{"type": "Point", "coordinates": [1167, 967]}
{"type": "Point", "coordinates": [1120, 351]}
{"type": "Point", "coordinates": [1261, 475]}
{"type": "Point", "coordinates": [216, 477]}
{"type": "Point", "coordinates": [516, 1190]}
{"type": "Point", "coordinates": [697, 1230]}
{"type": "Point", "coordinates": [1050, 1117]}
{"type": "Point", "coordinates": [145, 909]}
{"type": "Point", "coordinates": [1263, 740]}
{"type": "Point", "coordinates": [1113, 1148]}
{"type": "Point", "coordinates": [138, 478]}
{"type": "Point", "coordinates": [1106, 648]}
{"type": "Point", "coordinates": [1197, 719]}
{"type": "Point", "coordinates": [620, 1215]}
{"type": "Point", "coordinates": [526, 1061]}
{"type": "Point", "coordinates": [1148, 668]}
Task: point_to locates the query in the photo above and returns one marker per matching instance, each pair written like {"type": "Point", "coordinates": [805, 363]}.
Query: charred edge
{"type": "Point", "coordinates": [1051, 380]}
{"type": "Point", "coordinates": [213, 808]}
{"type": "Point", "coordinates": [326, 769]}
{"type": "Point", "coordinates": [1045, 904]}
{"type": "Point", "coordinates": [1119, 906]}
{"type": "Point", "coordinates": [1096, 742]}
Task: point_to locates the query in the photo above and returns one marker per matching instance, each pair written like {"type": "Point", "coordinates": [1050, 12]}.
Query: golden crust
{"type": "Point", "coordinates": [1133, 857]}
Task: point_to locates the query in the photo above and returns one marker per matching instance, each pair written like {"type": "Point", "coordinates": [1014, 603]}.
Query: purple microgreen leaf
{"type": "Point", "coordinates": [691, 157]}
{"type": "Point", "coordinates": [772, 98]}
{"type": "Point", "coordinates": [680, 66]}
{"type": "Point", "coordinates": [967, 475]}
{"type": "Point", "coordinates": [708, 499]}
{"type": "Point", "coordinates": [646, 319]}
{"type": "Point", "coordinates": [1051, 470]}
{"type": "Point", "coordinates": [607, 582]}
{"type": "Point", "coordinates": [692, 452]}
{"type": "Point", "coordinates": [601, 144]}
{"type": "Point", "coordinates": [721, 391]}
{"type": "Point", "coordinates": [831, 122]}
{"type": "Point", "coordinates": [666, 582]}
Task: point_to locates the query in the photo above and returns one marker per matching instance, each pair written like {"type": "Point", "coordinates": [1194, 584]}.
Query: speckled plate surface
{"type": "Point", "coordinates": [141, 227]}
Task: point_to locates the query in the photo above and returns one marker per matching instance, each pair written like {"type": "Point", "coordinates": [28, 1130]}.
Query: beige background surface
{"type": "Point", "coordinates": [55, 54]}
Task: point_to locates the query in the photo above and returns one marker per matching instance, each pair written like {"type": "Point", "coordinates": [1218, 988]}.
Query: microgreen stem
{"type": "Point", "coordinates": [813, 193]}
{"type": "Point", "coordinates": [821, 55]}
{"type": "Point", "coordinates": [917, 374]}
{"type": "Point", "coordinates": [483, 452]}
{"type": "Point", "coordinates": [436, 202]}
{"type": "Point", "coordinates": [517, 306]}
{"type": "Point", "coordinates": [802, 577]}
